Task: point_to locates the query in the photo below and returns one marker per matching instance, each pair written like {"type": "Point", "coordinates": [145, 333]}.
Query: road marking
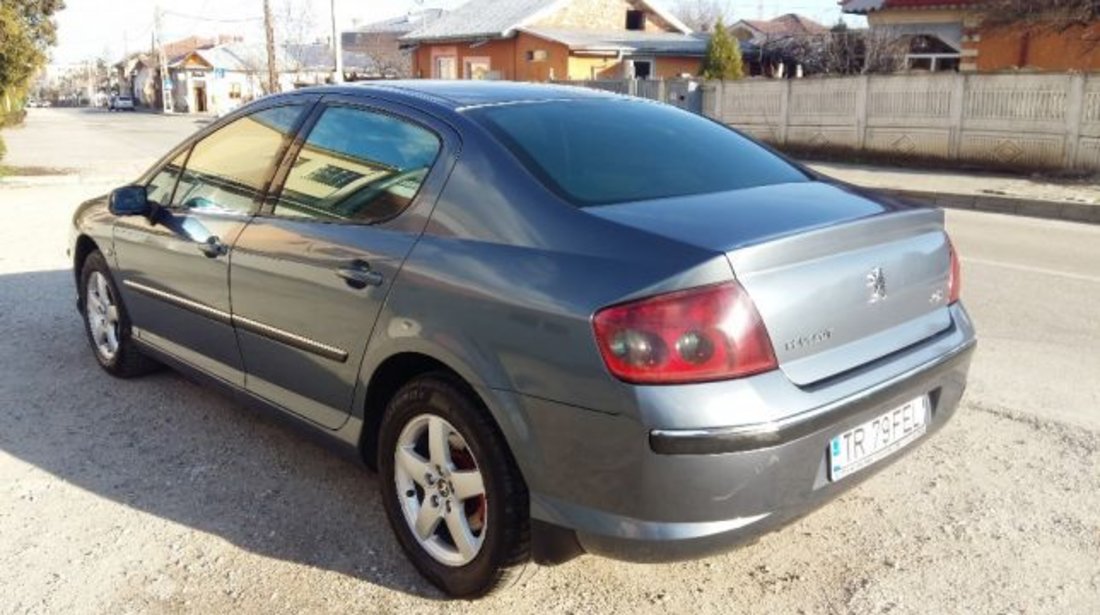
{"type": "Point", "coordinates": [1028, 268]}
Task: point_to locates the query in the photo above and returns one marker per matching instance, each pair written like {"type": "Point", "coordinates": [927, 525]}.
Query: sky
{"type": "Point", "coordinates": [91, 29]}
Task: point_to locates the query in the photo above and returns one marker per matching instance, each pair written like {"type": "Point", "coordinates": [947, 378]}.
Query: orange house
{"type": "Point", "coordinates": [956, 35]}
{"type": "Point", "coordinates": [541, 40]}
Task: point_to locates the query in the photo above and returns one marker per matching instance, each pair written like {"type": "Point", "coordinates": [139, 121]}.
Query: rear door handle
{"type": "Point", "coordinates": [360, 275]}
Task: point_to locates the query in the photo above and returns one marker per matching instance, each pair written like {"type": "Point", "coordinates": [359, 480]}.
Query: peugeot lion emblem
{"type": "Point", "coordinates": [876, 281]}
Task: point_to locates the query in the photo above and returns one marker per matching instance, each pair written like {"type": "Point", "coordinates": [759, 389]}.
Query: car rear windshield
{"type": "Point", "coordinates": [600, 152]}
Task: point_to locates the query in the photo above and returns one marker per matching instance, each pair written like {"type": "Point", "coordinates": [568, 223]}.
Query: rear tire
{"type": "Point", "coordinates": [107, 323]}
{"type": "Point", "coordinates": [491, 514]}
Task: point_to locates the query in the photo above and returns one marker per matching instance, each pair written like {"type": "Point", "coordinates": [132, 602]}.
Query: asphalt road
{"type": "Point", "coordinates": [94, 143]}
{"type": "Point", "coordinates": [157, 495]}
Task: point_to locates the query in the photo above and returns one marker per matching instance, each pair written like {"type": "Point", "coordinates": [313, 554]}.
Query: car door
{"type": "Point", "coordinates": [175, 264]}
{"type": "Point", "coordinates": [310, 273]}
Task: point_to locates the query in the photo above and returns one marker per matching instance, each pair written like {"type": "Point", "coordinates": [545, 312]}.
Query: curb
{"type": "Point", "coordinates": [1032, 208]}
{"type": "Point", "coordinates": [45, 181]}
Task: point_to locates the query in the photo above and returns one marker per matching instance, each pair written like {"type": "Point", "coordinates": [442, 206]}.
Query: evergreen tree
{"type": "Point", "coordinates": [27, 31]}
{"type": "Point", "coordinates": [723, 59]}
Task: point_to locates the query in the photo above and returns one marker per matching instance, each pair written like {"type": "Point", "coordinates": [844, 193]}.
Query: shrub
{"type": "Point", "coordinates": [723, 59]}
{"type": "Point", "coordinates": [13, 118]}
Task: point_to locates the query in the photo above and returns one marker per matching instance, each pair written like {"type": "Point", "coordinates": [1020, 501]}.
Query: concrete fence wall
{"type": "Point", "coordinates": [683, 93]}
{"type": "Point", "coordinates": [1033, 121]}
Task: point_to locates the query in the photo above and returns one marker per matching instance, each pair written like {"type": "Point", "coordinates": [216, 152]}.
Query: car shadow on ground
{"type": "Point", "coordinates": [166, 446]}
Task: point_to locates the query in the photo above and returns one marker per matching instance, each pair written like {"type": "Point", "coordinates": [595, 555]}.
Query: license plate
{"type": "Point", "coordinates": [865, 444]}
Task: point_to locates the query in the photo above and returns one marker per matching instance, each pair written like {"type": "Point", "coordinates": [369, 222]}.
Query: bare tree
{"type": "Point", "coordinates": [841, 51]}
{"type": "Point", "coordinates": [701, 15]}
{"type": "Point", "coordinates": [295, 22]}
{"type": "Point", "coordinates": [883, 51]}
{"type": "Point", "coordinates": [388, 59]}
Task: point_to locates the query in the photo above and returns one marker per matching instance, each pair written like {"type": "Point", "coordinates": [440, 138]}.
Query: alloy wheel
{"type": "Point", "coordinates": [101, 310]}
{"type": "Point", "coordinates": [441, 490]}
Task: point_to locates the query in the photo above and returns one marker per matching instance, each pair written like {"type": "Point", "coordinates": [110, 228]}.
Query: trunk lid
{"type": "Point", "coordinates": [839, 279]}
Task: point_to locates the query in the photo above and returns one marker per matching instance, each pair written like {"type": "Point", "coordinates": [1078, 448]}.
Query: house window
{"type": "Point", "coordinates": [234, 91]}
{"type": "Point", "coordinates": [477, 68]}
{"type": "Point", "coordinates": [930, 53]}
{"type": "Point", "coordinates": [537, 55]}
{"type": "Point", "coordinates": [635, 20]}
{"type": "Point", "coordinates": [639, 69]}
{"type": "Point", "coordinates": [932, 62]}
{"type": "Point", "coordinates": [446, 67]}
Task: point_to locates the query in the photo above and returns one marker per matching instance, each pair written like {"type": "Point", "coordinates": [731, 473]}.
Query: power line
{"type": "Point", "coordinates": [213, 19]}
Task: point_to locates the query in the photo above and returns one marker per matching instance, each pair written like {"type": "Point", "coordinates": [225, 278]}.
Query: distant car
{"type": "Point", "coordinates": [120, 103]}
{"type": "Point", "coordinates": [555, 320]}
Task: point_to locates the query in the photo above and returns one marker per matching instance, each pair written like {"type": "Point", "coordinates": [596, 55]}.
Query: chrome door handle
{"type": "Point", "coordinates": [213, 247]}
{"type": "Point", "coordinates": [360, 276]}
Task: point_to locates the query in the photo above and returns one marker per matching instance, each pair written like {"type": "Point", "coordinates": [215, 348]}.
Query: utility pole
{"type": "Point", "coordinates": [162, 61]}
{"type": "Point", "coordinates": [337, 48]}
{"type": "Point", "coordinates": [88, 81]}
{"type": "Point", "coordinates": [269, 32]}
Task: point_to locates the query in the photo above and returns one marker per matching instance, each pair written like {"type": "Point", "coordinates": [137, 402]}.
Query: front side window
{"type": "Point", "coordinates": [358, 166]}
{"type": "Point", "coordinates": [604, 151]}
{"type": "Point", "coordinates": [159, 189]}
{"type": "Point", "coordinates": [228, 170]}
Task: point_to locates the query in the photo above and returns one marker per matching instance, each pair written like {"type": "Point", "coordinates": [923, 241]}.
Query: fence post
{"type": "Point", "coordinates": [785, 112]}
{"type": "Point", "coordinates": [958, 112]}
{"type": "Point", "coordinates": [1075, 117]}
{"type": "Point", "coordinates": [632, 87]}
{"type": "Point", "coordinates": [662, 91]}
{"type": "Point", "coordinates": [862, 94]}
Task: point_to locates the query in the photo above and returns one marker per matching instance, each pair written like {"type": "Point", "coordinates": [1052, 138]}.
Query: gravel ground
{"type": "Point", "coordinates": [157, 496]}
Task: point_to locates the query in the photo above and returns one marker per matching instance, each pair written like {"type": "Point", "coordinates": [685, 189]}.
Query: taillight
{"type": "Point", "coordinates": [954, 280]}
{"type": "Point", "coordinates": [707, 333]}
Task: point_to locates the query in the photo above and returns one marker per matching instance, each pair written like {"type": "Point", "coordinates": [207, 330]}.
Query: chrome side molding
{"type": "Point", "coordinates": [253, 326]}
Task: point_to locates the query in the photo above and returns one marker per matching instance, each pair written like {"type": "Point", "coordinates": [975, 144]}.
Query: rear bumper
{"type": "Point", "coordinates": [770, 434]}
{"type": "Point", "coordinates": [695, 492]}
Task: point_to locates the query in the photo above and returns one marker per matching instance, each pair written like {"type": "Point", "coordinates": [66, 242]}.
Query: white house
{"type": "Point", "coordinates": [219, 79]}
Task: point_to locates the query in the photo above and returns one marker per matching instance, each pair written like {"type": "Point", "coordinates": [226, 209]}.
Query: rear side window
{"type": "Point", "coordinates": [358, 165]}
{"type": "Point", "coordinates": [599, 152]}
{"type": "Point", "coordinates": [228, 170]}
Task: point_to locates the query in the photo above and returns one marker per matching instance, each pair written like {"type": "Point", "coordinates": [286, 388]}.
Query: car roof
{"type": "Point", "coordinates": [458, 94]}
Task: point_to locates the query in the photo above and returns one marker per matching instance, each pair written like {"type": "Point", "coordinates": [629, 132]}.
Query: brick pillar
{"type": "Point", "coordinates": [971, 43]}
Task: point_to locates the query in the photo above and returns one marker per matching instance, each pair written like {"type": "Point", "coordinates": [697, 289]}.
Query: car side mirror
{"type": "Point", "coordinates": [129, 201]}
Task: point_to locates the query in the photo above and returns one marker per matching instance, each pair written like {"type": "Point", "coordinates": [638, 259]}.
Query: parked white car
{"type": "Point", "coordinates": [120, 103]}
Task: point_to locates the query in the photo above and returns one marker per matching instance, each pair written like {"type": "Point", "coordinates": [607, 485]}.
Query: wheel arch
{"type": "Point", "coordinates": [82, 247]}
{"type": "Point", "coordinates": [387, 378]}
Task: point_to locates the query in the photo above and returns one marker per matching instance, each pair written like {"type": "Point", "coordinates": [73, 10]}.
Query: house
{"type": "Point", "coordinates": [380, 41]}
{"type": "Point", "coordinates": [966, 35]}
{"type": "Point", "coordinates": [312, 64]}
{"type": "Point", "coordinates": [139, 74]}
{"type": "Point", "coordinates": [219, 79]}
{"type": "Point", "coordinates": [761, 32]}
{"type": "Point", "coordinates": [539, 40]}
{"type": "Point", "coordinates": [765, 43]}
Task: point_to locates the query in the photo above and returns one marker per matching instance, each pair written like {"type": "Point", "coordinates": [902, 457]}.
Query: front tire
{"type": "Point", "coordinates": [452, 492]}
{"type": "Point", "coordinates": [107, 323]}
